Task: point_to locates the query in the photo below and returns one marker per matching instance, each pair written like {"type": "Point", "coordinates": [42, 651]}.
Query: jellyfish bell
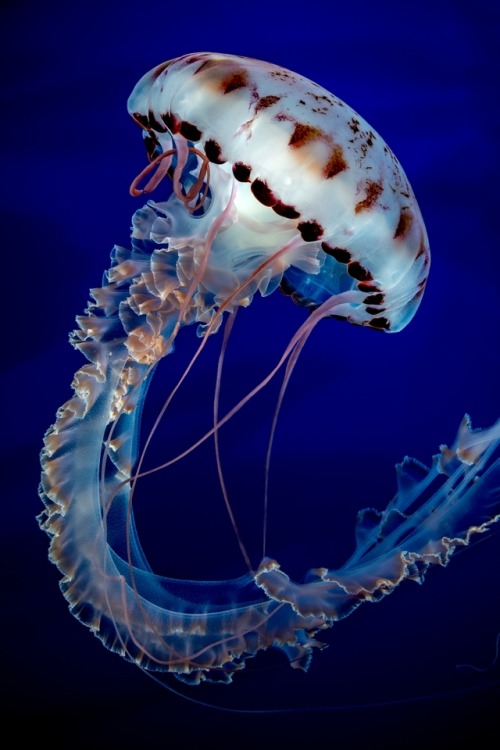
{"type": "Point", "coordinates": [306, 168]}
{"type": "Point", "coordinates": [275, 183]}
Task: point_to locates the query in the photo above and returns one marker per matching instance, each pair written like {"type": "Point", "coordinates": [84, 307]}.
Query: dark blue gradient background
{"type": "Point", "coordinates": [425, 75]}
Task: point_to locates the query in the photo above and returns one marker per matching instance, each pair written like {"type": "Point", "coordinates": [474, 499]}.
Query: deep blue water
{"type": "Point", "coordinates": [425, 75]}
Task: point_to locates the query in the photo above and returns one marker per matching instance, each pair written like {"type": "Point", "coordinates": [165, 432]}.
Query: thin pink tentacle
{"type": "Point", "coordinates": [290, 366]}
{"type": "Point", "coordinates": [182, 157]}
{"type": "Point", "coordinates": [324, 310]}
{"type": "Point", "coordinates": [166, 156]}
{"type": "Point", "coordinates": [227, 330]}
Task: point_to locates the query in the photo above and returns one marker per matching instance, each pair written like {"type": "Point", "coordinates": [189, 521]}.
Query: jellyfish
{"type": "Point", "coordinates": [276, 184]}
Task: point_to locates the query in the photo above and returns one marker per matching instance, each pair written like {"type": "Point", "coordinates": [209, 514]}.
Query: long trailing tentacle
{"type": "Point", "coordinates": [227, 331]}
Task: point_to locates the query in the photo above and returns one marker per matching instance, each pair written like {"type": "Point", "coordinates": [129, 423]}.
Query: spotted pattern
{"type": "Point", "coordinates": [309, 158]}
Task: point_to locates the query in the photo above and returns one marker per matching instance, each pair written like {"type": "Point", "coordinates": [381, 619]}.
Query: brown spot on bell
{"type": "Point", "coordinates": [359, 272]}
{"type": "Point", "coordinates": [266, 101]}
{"type": "Point", "coordinates": [234, 81]}
{"type": "Point", "coordinates": [303, 134]}
{"type": "Point", "coordinates": [404, 224]}
{"type": "Point", "coordinates": [372, 192]}
{"type": "Point", "coordinates": [335, 164]}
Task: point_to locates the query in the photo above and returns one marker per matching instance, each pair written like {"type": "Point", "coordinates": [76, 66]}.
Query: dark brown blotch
{"type": "Point", "coordinates": [381, 324]}
{"type": "Point", "coordinates": [336, 163]}
{"type": "Point", "coordinates": [234, 81]}
{"type": "Point", "coordinates": [339, 253]}
{"type": "Point", "coordinates": [310, 230]}
{"type": "Point", "coordinates": [354, 125]}
{"type": "Point", "coordinates": [263, 193]}
{"type": "Point", "coordinates": [190, 131]}
{"type": "Point", "coordinates": [141, 120]}
{"type": "Point", "coordinates": [404, 224]}
{"type": "Point", "coordinates": [363, 287]}
{"type": "Point", "coordinates": [303, 134]}
{"type": "Point", "coordinates": [372, 190]}
{"type": "Point", "coordinates": [374, 310]}
{"type": "Point", "coordinates": [359, 272]}
{"type": "Point", "coordinates": [374, 299]}
{"type": "Point", "coordinates": [155, 124]}
{"type": "Point", "coordinates": [289, 212]}
{"type": "Point", "coordinates": [172, 122]}
{"type": "Point", "coordinates": [213, 152]}
{"type": "Point", "coordinates": [266, 101]}
{"type": "Point", "coordinates": [241, 172]}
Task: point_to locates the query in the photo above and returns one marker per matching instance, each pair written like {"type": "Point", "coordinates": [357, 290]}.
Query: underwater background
{"type": "Point", "coordinates": [425, 76]}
